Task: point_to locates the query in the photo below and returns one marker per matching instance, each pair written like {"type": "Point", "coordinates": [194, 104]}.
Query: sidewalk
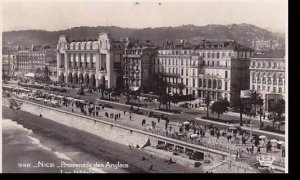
{"type": "Point", "coordinates": [252, 118]}
{"type": "Point", "coordinates": [281, 136]}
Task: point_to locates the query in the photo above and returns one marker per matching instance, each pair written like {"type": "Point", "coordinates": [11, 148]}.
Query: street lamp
{"type": "Point", "coordinates": [250, 129]}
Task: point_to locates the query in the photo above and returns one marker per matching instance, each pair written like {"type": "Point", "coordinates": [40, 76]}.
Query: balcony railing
{"type": "Point", "coordinates": [103, 70]}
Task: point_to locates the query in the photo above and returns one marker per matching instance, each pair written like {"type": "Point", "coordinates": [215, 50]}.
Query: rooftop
{"type": "Point", "coordinates": [270, 54]}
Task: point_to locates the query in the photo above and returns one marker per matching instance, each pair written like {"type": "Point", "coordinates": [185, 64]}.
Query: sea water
{"type": "Point", "coordinates": [23, 152]}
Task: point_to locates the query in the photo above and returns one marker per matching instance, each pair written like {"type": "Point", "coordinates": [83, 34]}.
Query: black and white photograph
{"type": "Point", "coordinates": [147, 86]}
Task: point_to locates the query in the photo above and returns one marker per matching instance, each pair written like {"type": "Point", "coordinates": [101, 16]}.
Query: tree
{"type": "Point", "coordinates": [255, 99]}
{"type": "Point", "coordinates": [279, 108]}
{"type": "Point", "coordinates": [180, 86]}
{"type": "Point", "coordinates": [102, 87]}
{"type": "Point", "coordinates": [207, 101]}
{"type": "Point", "coordinates": [81, 91]}
{"type": "Point", "coordinates": [109, 91]}
{"type": "Point", "coordinates": [243, 106]}
{"type": "Point", "coordinates": [235, 91]}
{"type": "Point", "coordinates": [220, 107]}
{"type": "Point", "coordinates": [260, 103]}
{"type": "Point", "coordinates": [128, 92]}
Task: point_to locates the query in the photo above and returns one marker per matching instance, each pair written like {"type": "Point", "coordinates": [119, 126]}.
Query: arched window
{"type": "Point", "coordinates": [219, 84]}
{"type": "Point", "coordinates": [214, 84]}
{"type": "Point", "coordinates": [200, 82]}
{"type": "Point", "coordinates": [204, 83]}
{"type": "Point", "coordinates": [209, 83]}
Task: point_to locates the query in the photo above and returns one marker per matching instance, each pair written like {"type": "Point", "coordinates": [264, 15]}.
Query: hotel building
{"type": "Point", "coordinates": [30, 60]}
{"type": "Point", "coordinates": [209, 67]}
{"type": "Point", "coordinates": [137, 63]}
{"type": "Point", "coordinates": [90, 62]}
{"type": "Point", "coordinates": [267, 75]}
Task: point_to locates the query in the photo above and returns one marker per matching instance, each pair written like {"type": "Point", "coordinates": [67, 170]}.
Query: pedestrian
{"type": "Point", "coordinates": [130, 118]}
{"type": "Point", "coordinates": [115, 117]}
{"type": "Point", "coordinates": [72, 110]}
{"type": "Point", "coordinates": [143, 122]}
{"type": "Point", "coordinates": [150, 168]}
{"type": "Point", "coordinates": [258, 150]}
{"type": "Point", "coordinates": [124, 112]}
{"type": "Point", "coordinates": [283, 151]}
{"type": "Point", "coordinates": [158, 119]}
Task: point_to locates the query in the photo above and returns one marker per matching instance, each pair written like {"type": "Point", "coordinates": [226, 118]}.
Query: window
{"type": "Point", "coordinates": [264, 88]}
{"type": "Point", "coordinates": [253, 87]}
{"type": "Point", "coordinates": [269, 64]}
{"type": "Point", "coordinates": [187, 82]}
{"type": "Point", "coordinates": [187, 72]}
{"type": "Point", "coordinates": [182, 62]}
{"type": "Point", "coordinates": [200, 82]}
{"type": "Point", "coordinates": [193, 82]}
{"type": "Point", "coordinates": [218, 55]}
{"type": "Point", "coordinates": [226, 74]}
{"type": "Point", "coordinates": [280, 90]}
{"type": "Point", "coordinates": [187, 62]}
{"type": "Point", "coordinates": [268, 88]}
{"type": "Point", "coordinates": [182, 71]}
{"type": "Point", "coordinates": [226, 86]}
{"type": "Point", "coordinates": [193, 72]}
{"type": "Point", "coordinates": [258, 88]}
{"type": "Point", "coordinates": [274, 89]}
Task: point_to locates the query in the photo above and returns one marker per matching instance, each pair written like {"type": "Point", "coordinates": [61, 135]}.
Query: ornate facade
{"type": "Point", "coordinates": [267, 75]}
{"type": "Point", "coordinates": [91, 62]}
{"type": "Point", "coordinates": [210, 67]}
{"type": "Point", "coordinates": [137, 60]}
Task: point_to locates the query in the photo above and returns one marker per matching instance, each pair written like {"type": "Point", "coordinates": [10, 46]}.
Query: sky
{"type": "Point", "coordinates": [57, 15]}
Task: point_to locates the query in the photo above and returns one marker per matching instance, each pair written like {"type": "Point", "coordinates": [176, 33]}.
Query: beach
{"type": "Point", "coordinates": [77, 147]}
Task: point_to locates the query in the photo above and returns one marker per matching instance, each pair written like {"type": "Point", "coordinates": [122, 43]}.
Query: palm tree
{"type": "Point", "coordinates": [255, 99]}
{"type": "Point", "coordinates": [243, 106]}
{"type": "Point", "coordinates": [260, 103]}
{"type": "Point", "coordinates": [207, 101]}
{"type": "Point", "coordinates": [235, 91]}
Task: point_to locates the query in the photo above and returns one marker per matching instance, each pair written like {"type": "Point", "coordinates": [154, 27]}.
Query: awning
{"type": "Point", "coordinates": [134, 88]}
{"type": "Point", "coordinates": [29, 75]}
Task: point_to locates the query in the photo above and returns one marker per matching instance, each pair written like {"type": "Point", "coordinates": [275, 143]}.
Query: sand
{"type": "Point", "coordinates": [95, 145]}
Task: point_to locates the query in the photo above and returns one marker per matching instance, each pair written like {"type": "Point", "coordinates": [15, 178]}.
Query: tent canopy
{"type": "Point", "coordinates": [29, 75]}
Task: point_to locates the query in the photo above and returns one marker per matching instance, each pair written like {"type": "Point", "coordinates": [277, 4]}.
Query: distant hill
{"type": "Point", "coordinates": [243, 33]}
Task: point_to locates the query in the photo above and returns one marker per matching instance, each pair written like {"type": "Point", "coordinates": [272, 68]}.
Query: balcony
{"type": "Point", "coordinates": [102, 70]}
{"type": "Point", "coordinates": [170, 74]}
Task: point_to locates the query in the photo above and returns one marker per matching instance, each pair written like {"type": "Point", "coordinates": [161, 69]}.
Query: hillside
{"type": "Point", "coordinates": [243, 33]}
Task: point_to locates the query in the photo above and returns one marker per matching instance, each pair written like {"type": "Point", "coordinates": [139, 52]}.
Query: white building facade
{"type": "Point", "coordinates": [267, 75]}
{"type": "Point", "coordinates": [91, 63]}
{"type": "Point", "coordinates": [211, 67]}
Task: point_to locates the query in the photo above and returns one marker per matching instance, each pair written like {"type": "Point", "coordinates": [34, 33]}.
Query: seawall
{"type": "Point", "coordinates": [108, 130]}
